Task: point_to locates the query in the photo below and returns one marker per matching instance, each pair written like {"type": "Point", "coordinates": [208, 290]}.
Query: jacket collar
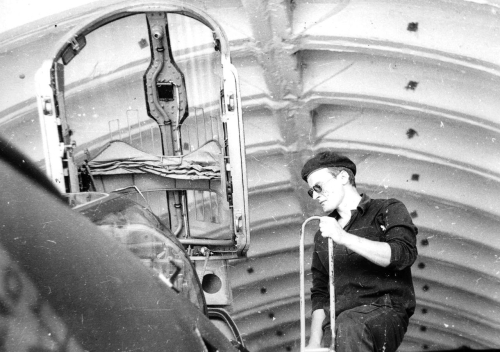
{"type": "Point", "coordinates": [363, 205]}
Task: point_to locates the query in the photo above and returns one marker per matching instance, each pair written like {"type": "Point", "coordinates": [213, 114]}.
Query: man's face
{"type": "Point", "coordinates": [332, 190]}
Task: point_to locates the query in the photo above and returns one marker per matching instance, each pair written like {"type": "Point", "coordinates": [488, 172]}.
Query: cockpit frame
{"type": "Point", "coordinates": [56, 134]}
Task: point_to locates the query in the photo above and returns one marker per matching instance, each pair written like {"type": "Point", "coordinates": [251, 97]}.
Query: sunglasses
{"type": "Point", "coordinates": [317, 188]}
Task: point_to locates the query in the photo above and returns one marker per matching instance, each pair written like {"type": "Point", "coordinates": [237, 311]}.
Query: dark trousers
{"type": "Point", "coordinates": [370, 328]}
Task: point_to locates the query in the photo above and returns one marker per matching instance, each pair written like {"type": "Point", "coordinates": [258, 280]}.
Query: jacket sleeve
{"type": "Point", "coordinates": [320, 296]}
{"type": "Point", "coordinates": [400, 234]}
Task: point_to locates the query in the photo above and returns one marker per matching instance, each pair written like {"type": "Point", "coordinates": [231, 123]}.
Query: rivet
{"type": "Point", "coordinates": [412, 26]}
{"type": "Point", "coordinates": [412, 85]}
{"type": "Point", "coordinates": [411, 133]}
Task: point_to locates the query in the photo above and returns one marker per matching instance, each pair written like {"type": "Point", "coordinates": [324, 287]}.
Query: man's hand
{"type": "Point", "coordinates": [313, 346]}
{"type": "Point", "coordinates": [376, 252]}
{"type": "Point", "coordinates": [330, 228]}
{"type": "Point", "coordinates": [316, 328]}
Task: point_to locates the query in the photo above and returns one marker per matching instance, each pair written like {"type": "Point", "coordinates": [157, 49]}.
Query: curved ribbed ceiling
{"type": "Point", "coordinates": [409, 91]}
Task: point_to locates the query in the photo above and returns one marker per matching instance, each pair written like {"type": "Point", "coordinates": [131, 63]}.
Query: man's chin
{"type": "Point", "coordinates": [326, 208]}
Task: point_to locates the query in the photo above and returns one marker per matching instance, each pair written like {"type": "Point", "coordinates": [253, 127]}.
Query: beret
{"type": "Point", "coordinates": [326, 159]}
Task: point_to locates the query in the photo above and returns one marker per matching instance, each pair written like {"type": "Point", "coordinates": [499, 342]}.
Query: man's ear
{"type": "Point", "coordinates": [344, 177]}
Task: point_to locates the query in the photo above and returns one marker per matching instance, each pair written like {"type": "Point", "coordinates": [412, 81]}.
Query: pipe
{"type": "Point", "coordinates": [178, 152]}
{"type": "Point", "coordinates": [177, 126]}
{"type": "Point", "coordinates": [302, 293]}
{"type": "Point", "coordinates": [184, 213]}
{"type": "Point", "coordinates": [203, 242]}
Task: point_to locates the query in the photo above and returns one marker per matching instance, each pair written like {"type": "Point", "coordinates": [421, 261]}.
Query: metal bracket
{"type": "Point", "coordinates": [231, 104]}
{"type": "Point", "coordinates": [238, 221]}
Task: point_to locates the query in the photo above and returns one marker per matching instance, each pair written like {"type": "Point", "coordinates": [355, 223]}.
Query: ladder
{"type": "Point", "coordinates": [302, 293]}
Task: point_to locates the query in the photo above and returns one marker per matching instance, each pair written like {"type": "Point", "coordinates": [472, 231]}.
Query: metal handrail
{"type": "Point", "coordinates": [302, 293]}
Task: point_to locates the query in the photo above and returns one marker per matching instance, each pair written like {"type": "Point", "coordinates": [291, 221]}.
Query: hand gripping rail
{"type": "Point", "coordinates": [302, 294]}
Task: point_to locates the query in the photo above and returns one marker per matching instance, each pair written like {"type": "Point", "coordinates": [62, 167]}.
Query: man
{"type": "Point", "coordinates": [374, 248]}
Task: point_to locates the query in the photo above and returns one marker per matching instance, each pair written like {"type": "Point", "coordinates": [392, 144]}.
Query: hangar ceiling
{"type": "Point", "coordinates": [408, 90]}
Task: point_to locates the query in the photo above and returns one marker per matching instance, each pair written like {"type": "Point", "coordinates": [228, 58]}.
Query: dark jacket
{"type": "Point", "coordinates": [359, 281]}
